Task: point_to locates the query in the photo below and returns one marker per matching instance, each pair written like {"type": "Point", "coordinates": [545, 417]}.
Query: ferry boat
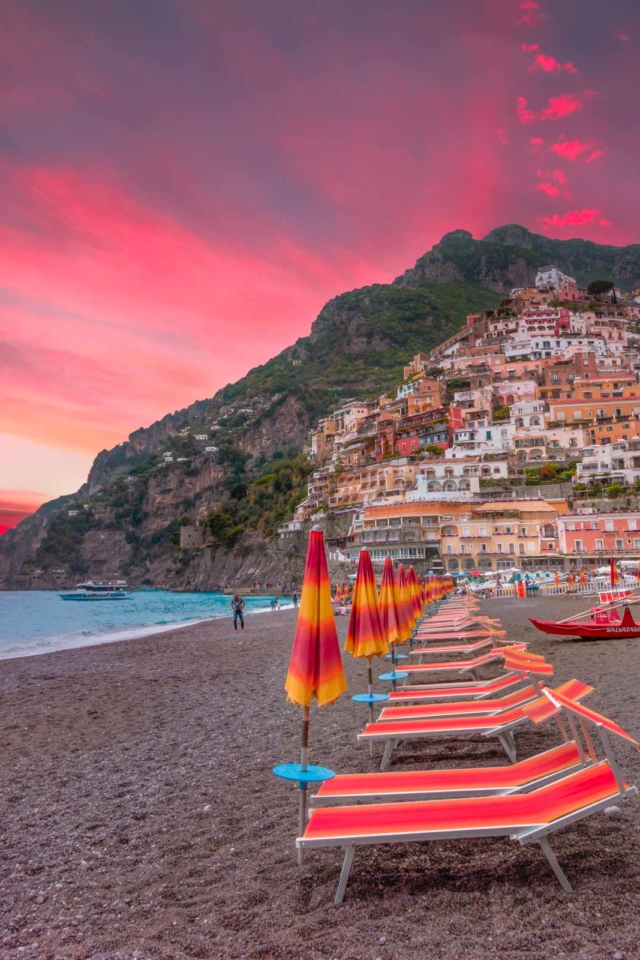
{"type": "Point", "coordinates": [99, 590]}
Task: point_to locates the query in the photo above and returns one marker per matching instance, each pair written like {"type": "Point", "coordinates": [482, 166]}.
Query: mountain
{"type": "Point", "coordinates": [125, 519]}
{"type": "Point", "coordinates": [509, 256]}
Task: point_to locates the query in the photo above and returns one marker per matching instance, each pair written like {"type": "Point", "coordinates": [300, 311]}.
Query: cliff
{"type": "Point", "coordinates": [124, 521]}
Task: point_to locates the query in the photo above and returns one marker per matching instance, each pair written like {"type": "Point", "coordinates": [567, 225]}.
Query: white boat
{"type": "Point", "coordinates": [99, 590]}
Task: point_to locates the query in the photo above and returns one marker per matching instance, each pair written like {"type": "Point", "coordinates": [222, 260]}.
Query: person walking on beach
{"type": "Point", "coordinates": [295, 601]}
{"type": "Point", "coordinates": [238, 605]}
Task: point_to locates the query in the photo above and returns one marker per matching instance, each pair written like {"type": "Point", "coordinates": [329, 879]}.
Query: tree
{"type": "Point", "coordinates": [502, 413]}
{"type": "Point", "coordinates": [614, 490]}
{"type": "Point", "coordinates": [597, 288]}
{"type": "Point", "coordinates": [434, 449]}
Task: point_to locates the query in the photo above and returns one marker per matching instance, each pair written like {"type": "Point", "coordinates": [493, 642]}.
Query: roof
{"type": "Point", "coordinates": [416, 508]}
{"type": "Point", "coordinates": [524, 506]}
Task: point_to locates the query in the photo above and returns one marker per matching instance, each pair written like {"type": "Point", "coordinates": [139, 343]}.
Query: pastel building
{"type": "Point", "coordinates": [598, 537]}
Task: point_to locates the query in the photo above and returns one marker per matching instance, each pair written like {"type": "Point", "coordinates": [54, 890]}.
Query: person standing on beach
{"type": "Point", "coordinates": [238, 605]}
{"type": "Point", "coordinates": [295, 601]}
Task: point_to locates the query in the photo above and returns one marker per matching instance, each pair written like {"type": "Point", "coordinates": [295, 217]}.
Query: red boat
{"type": "Point", "coordinates": [602, 625]}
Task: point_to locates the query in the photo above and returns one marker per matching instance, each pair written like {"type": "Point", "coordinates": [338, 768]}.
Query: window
{"type": "Point", "coordinates": [463, 548]}
{"type": "Point", "coordinates": [636, 544]}
{"type": "Point", "coordinates": [632, 525]}
{"type": "Point", "coordinates": [512, 548]}
{"type": "Point", "coordinates": [483, 531]}
{"type": "Point", "coordinates": [608, 525]}
{"type": "Point", "coordinates": [466, 531]}
{"type": "Point", "coordinates": [600, 545]}
{"type": "Point", "coordinates": [488, 434]}
{"type": "Point", "coordinates": [588, 396]}
{"type": "Point", "coordinates": [577, 414]}
{"type": "Point", "coordinates": [521, 548]}
{"type": "Point", "coordinates": [500, 550]}
{"type": "Point", "coordinates": [579, 547]}
{"type": "Point", "coordinates": [619, 545]}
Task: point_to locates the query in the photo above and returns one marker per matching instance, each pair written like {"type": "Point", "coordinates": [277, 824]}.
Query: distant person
{"type": "Point", "coordinates": [238, 605]}
{"type": "Point", "coordinates": [275, 604]}
{"type": "Point", "coordinates": [295, 601]}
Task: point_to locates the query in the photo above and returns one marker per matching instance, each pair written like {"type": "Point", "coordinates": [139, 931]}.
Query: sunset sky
{"type": "Point", "coordinates": [184, 183]}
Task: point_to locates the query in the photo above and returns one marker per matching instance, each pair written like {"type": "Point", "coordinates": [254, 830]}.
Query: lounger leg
{"type": "Point", "coordinates": [344, 873]}
{"type": "Point", "coordinates": [508, 745]}
{"type": "Point", "coordinates": [386, 756]}
{"type": "Point", "coordinates": [555, 866]}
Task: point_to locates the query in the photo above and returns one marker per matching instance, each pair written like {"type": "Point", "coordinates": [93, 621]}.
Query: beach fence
{"type": "Point", "coordinates": [508, 591]}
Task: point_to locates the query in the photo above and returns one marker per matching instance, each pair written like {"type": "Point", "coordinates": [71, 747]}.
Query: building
{"type": "Point", "coordinates": [563, 286]}
{"type": "Point", "coordinates": [191, 537]}
{"type": "Point", "coordinates": [597, 537]}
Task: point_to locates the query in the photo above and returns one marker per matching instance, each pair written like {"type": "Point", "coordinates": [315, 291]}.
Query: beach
{"type": "Point", "coordinates": [141, 818]}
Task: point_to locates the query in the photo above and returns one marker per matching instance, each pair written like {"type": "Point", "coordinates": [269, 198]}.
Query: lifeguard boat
{"type": "Point", "coordinates": [602, 624]}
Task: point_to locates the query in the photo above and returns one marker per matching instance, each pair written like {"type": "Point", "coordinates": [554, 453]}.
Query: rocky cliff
{"type": "Point", "coordinates": [124, 521]}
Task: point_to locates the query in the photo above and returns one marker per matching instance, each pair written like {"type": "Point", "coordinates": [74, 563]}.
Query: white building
{"type": "Point", "coordinates": [560, 283]}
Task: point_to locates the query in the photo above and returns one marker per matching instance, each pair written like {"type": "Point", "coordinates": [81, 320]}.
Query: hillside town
{"type": "Point", "coordinates": [515, 443]}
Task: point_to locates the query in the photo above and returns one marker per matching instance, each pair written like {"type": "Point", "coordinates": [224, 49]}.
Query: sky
{"type": "Point", "coordinates": [184, 183]}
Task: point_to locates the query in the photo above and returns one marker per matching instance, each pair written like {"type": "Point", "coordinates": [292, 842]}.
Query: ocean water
{"type": "Point", "coordinates": [38, 621]}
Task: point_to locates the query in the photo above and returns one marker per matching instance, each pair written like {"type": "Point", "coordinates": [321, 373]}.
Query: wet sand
{"type": "Point", "coordinates": [140, 818]}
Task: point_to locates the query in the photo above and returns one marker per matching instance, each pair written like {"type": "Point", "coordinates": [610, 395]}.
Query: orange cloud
{"type": "Point", "coordinates": [575, 218]}
{"type": "Point", "coordinates": [16, 505]}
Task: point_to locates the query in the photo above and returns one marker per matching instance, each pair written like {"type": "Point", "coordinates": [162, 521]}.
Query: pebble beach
{"type": "Point", "coordinates": [140, 818]}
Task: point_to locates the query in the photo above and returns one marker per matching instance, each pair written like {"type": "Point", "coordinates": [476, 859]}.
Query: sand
{"type": "Point", "coordinates": [140, 817]}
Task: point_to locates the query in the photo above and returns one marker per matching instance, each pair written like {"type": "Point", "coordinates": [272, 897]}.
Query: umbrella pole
{"type": "Point", "coordinates": [304, 760]}
{"type": "Point", "coordinates": [370, 691]}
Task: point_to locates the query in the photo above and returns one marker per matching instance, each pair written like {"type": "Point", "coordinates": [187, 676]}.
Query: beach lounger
{"type": "Point", "coordinates": [472, 689]}
{"type": "Point", "coordinates": [471, 708]}
{"type": "Point", "coordinates": [438, 648]}
{"type": "Point", "coordinates": [443, 784]}
{"type": "Point", "coordinates": [461, 666]}
{"type": "Point", "coordinates": [469, 635]}
{"type": "Point", "coordinates": [526, 817]}
{"type": "Point", "coordinates": [393, 732]}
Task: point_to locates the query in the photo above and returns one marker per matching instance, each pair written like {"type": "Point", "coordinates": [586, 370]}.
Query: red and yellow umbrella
{"type": "Point", "coordinates": [615, 576]}
{"type": "Point", "coordinates": [521, 590]}
{"type": "Point", "coordinates": [365, 636]}
{"type": "Point", "coordinates": [405, 598]}
{"type": "Point", "coordinates": [394, 625]}
{"type": "Point", "coordinates": [638, 572]}
{"type": "Point", "coordinates": [315, 667]}
{"type": "Point", "coordinates": [416, 592]}
{"type": "Point", "coordinates": [582, 577]}
{"type": "Point", "coordinates": [556, 579]}
{"type": "Point", "coordinates": [571, 579]}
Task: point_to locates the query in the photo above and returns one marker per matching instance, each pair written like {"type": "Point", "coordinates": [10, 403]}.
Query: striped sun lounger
{"type": "Point", "coordinates": [456, 709]}
{"type": "Point", "coordinates": [442, 784]}
{"type": "Point", "coordinates": [393, 732]}
{"type": "Point", "coordinates": [464, 666]}
{"type": "Point", "coordinates": [526, 817]}
{"type": "Point", "coordinates": [468, 689]}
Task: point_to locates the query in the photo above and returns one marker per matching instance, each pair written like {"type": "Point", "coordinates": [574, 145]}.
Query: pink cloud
{"type": "Point", "coordinates": [571, 149]}
{"type": "Point", "coordinates": [575, 218]}
{"type": "Point", "coordinates": [624, 36]}
{"type": "Point", "coordinates": [536, 141]}
{"type": "Point", "coordinates": [502, 136]}
{"type": "Point", "coordinates": [549, 64]}
{"type": "Point", "coordinates": [549, 189]}
{"type": "Point", "coordinates": [556, 109]}
{"type": "Point", "coordinates": [594, 156]}
{"type": "Point", "coordinates": [562, 106]}
{"type": "Point", "coordinates": [525, 115]}
{"type": "Point", "coordinates": [559, 176]}
{"type": "Point", "coordinates": [530, 46]}
{"type": "Point", "coordinates": [531, 15]}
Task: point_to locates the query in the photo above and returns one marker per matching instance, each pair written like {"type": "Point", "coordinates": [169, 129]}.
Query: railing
{"type": "Point", "coordinates": [508, 591]}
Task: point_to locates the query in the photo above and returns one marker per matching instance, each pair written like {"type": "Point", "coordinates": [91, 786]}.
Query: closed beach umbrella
{"type": "Point", "coordinates": [315, 667]}
{"type": "Point", "coordinates": [615, 576]}
{"type": "Point", "coordinates": [365, 636]}
{"type": "Point", "coordinates": [556, 579]}
{"type": "Point", "coordinates": [638, 572]}
{"type": "Point", "coordinates": [405, 598]}
{"type": "Point", "coordinates": [393, 623]}
{"type": "Point", "coordinates": [416, 592]}
{"type": "Point", "coordinates": [582, 576]}
{"type": "Point", "coordinates": [571, 579]}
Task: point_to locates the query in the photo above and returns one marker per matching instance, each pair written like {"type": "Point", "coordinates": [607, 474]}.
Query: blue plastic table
{"type": "Point", "coordinates": [396, 675]}
{"type": "Point", "coordinates": [294, 772]}
{"type": "Point", "coordinates": [370, 698]}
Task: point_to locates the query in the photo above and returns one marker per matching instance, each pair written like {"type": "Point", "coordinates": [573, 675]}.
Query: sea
{"type": "Point", "coordinates": [38, 621]}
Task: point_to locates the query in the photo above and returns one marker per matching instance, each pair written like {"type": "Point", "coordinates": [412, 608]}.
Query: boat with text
{"type": "Point", "coordinates": [99, 590]}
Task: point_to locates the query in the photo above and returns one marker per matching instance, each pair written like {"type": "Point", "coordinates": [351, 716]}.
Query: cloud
{"type": "Point", "coordinates": [575, 218]}
{"type": "Point", "coordinates": [530, 46]}
{"type": "Point", "coordinates": [502, 136]}
{"type": "Point", "coordinates": [549, 189]}
{"type": "Point", "coordinates": [16, 505]}
{"type": "Point", "coordinates": [562, 106]}
{"type": "Point", "coordinates": [624, 36]}
{"type": "Point", "coordinates": [556, 109]}
{"type": "Point", "coordinates": [594, 156]}
{"type": "Point", "coordinates": [571, 149]}
{"type": "Point", "coordinates": [559, 176]}
{"type": "Point", "coordinates": [549, 64]}
{"type": "Point", "coordinates": [530, 15]}
{"type": "Point", "coordinates": [536, 141]}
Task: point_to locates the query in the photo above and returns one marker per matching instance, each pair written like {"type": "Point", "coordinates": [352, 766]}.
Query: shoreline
{"type": "Point", "coordinates": [59, 644]}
